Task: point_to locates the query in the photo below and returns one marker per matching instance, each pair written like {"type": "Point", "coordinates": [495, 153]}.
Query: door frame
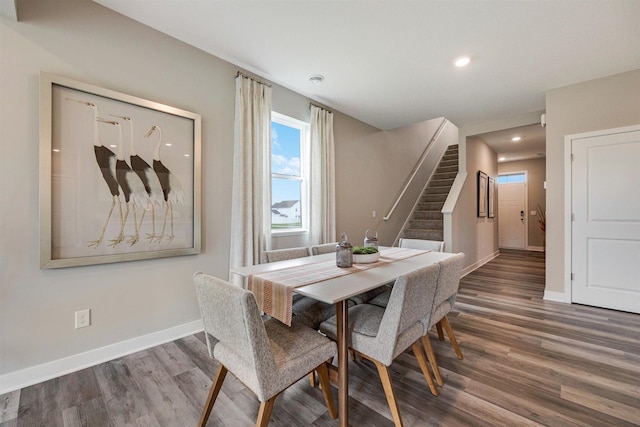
{"type": "Point", "coordinates": [526, 205]}
{"type": "Point", "coordinates": [568, 198]}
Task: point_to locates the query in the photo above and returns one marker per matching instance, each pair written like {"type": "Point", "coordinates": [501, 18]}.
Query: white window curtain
{"type": "Point", "coordinates": [322, 188]}
{"type": "Point", "coordinates": [251, 196]}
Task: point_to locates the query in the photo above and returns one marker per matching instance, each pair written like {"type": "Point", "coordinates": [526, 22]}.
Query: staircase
{"type": "Point", "coordinates": [426, 220]}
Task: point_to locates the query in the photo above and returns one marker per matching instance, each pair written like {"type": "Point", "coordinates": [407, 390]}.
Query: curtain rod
{"type": "Point", "coordinates": [321, 107]}
{"type": "Point", "coordinates": [240, 73]}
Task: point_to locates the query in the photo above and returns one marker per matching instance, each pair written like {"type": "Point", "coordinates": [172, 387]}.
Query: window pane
{"type": "Point", "coordinates": [511, 178]}
{"type": "Point", "coordinates": [285, 209]}
{"type": "Point", "coordinates": [285, 150]}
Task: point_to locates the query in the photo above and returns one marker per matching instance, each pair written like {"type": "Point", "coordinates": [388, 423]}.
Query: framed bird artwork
{"type": "Point", "coordinates": [119, 176]}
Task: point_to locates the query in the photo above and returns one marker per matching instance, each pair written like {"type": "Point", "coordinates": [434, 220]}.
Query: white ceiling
{"type": "Point", "coordinates": [532, 143]}
{"type": "Point", "coordinates": [389, 63]}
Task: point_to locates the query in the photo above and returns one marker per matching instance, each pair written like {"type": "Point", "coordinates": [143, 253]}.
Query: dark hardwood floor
{"type": "Point", "coordinates": [526, 362]}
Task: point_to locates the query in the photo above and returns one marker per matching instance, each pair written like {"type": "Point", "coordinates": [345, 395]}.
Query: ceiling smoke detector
{"type": "Point", "coordinates": [316, 79]}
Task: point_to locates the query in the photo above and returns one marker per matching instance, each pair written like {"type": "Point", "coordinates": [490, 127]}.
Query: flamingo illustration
{"type": "Point", "coordinates": [106, 160]}
{"type": "Point", "coordinates": [150, 181]}
{"type": "Point", "coordinates": [171, 187]}
{"type": "Point", "coordinates": [132, 188]}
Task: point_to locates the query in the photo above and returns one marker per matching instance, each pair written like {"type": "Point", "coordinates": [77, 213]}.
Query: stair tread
{"type": "Point", "coordinates": [426, 222]}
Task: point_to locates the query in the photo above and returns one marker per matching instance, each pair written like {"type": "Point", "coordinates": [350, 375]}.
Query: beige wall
{"type": "Point", "coordinates": [476, 237]}
{"type": "Point", "coordinates": [603, 103]}
{"type": "Point", "coordinates": [535, 169]}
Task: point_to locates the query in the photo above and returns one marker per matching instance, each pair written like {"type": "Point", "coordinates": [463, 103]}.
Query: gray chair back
{"type": "Point", "coordinates": [325, 248]}
{"type": "Point", "coordinates": [230, 315]}
{"type": "Point", "coordinates": [284, 254]}
{"type": "Point", "coordinates": [425, 245]}
{"type": "Point", "coordinates": [447, 287]}
{"type": "Point", "coordinates": [410, 302]}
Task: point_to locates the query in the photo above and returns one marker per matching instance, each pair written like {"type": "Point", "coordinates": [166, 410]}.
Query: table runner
{"type": "Point", "coordinates": [274, 290]}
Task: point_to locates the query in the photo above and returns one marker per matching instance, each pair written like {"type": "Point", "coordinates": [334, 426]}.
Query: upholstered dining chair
{"type": "Point", "coordinates": [382, 298]}
{"type": "Point", "coordinates": [284, 254]}
{"type": "Point", "coordinates": [427, 245]}
{"type": "Point", "coordinates": [325, 248]}
{"type": "Point", "coordinates": [380, 334]}
{"type": "Point", "coordinates": [444, 300]}
{"type": "Point", "coordinates": [267, 357]}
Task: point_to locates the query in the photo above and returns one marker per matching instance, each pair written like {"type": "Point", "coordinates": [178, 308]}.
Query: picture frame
{"type": "Point", "coordinates": [482, 194]}
{"type": "Point", "coordinates": [120, 176]}
{"type": "Point", "coordinates": [491, 193]}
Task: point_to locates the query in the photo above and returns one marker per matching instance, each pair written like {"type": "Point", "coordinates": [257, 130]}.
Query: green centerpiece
{"type": "Point", "coordinates": [364, 250]}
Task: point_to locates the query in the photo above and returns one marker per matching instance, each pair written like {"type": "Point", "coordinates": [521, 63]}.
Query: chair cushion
{"type": "Point", "coordinates": [297, 350]}
{"type": "Point", "coordinates": [364, 324]}
{"type": "Point", "coordinates": [381, 300]}
{"type": "Point", "coordinates": [366, 297]}
{"type": "Point", "coordinates": [311, 313]}
{"type": "Point", "coordinates": [363, 319]}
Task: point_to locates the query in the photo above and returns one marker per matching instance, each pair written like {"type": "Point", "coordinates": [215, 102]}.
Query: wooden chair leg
{"type": "Point", "coordinates": [452, 337]}
{"type": "Point", "coordinates": [312, 379]}
{"type": "Point", "coordinates": [264, 414]}
{"type": "Point", "coordinates": [426, 343]}
{"type": "Point", "coordinates": [213, 394]}
{"type": "Point", "coordinates": [323, 375]}
{"type": "Point", "coordinates": [440, 333]}
{"type": "Point", "coordinates": [385, 377]}
{"type": "Point", "coordinates": [417, 351]}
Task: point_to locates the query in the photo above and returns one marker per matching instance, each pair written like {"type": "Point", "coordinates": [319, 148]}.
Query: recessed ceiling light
{"type": "Point", "coordinates": [516, 138]}
{"type": "Point", "coordinates": [502, 159]}
{"type": "Point", "coordinates": [316, 79]}
{"type": "Point", "coordinates": [113, 146]}
{"type": "Point", "coordinates": [168, 144]}
{"type": "Point", "coordinates": [462, 61]}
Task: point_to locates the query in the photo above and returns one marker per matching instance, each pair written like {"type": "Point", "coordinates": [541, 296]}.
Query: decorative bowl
{"type": "Point", "coordinates": [366, 258]}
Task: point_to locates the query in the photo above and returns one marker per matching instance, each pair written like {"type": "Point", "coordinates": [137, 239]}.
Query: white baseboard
{"type": "Point", "coordinates": [46, 371]}
{"type": "Point", "coordinates": [480, 263]}
{"type": "Point", "coordinates": [557, 297]}
{"type": "Point", "coordinates": [535, 248]}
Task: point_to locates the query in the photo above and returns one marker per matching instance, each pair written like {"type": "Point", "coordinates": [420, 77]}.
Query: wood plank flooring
{"type": "Point", "coordinates": [526, 362]}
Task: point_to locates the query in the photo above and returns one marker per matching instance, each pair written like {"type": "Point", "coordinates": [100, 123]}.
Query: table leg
{"type": "Point", "coordinates": [343, 363]}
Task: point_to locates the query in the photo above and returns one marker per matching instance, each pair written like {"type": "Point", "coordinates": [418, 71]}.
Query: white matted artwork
{"type": "Point", "coordinates": [492, 198]}
{"type": "Point", "coordinates": [482, 194]}
{"type": "Point", "coordinates": [119, 176]}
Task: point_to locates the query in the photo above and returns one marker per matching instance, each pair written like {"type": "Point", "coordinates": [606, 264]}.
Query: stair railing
{"type": "Point", "coordinates": [416, 168]}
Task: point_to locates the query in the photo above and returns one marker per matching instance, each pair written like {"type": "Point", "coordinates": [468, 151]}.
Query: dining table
{"type": "Point", "coordinates": [337, 290]}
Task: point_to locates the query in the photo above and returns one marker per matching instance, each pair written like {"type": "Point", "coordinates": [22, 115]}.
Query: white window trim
{"type": "Point", "coordinates": [304, 174]}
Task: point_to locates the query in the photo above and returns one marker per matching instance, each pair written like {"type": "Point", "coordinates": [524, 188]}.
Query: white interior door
{"type": "Point", "coordinates": [512, 220]}
{"type": "Point", "coordinates": [605, 258]}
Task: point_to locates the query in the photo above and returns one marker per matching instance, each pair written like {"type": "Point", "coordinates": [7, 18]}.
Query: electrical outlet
{"type": "Point", "coordinates": [374, 214]}
{"type": "Point", "coordinates": [83, 318]}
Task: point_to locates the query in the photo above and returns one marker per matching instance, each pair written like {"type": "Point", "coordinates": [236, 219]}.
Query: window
{"type": "Point", "coordinates": [289, 174]}
{"type": "Point", "coordinates": [511, 178]}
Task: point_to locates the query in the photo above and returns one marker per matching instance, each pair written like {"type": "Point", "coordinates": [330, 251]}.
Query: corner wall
{"type": "Point", "coordinates": [476, 237]}
{"type": "Point", "coordinates": [604, 103]}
